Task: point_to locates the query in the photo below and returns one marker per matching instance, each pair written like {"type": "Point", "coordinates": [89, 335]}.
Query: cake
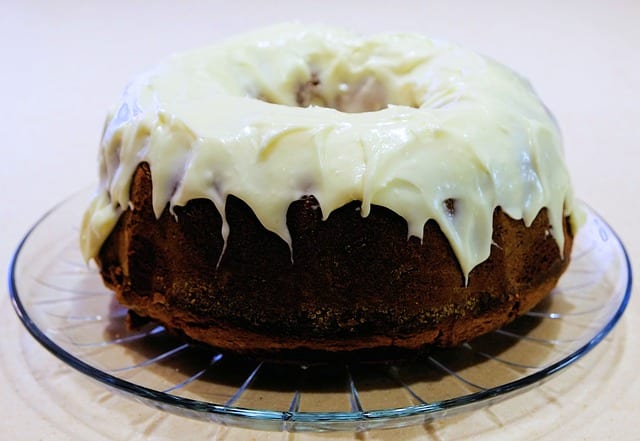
{"type": "Point", "coordinates": [305, 193]}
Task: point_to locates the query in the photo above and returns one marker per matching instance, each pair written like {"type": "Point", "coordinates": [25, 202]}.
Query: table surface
{"type": "Point", "coordinates": [64, 63]}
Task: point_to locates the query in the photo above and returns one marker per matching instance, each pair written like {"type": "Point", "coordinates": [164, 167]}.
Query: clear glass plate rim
{"type": "Point", "coordinates": [408, 412]}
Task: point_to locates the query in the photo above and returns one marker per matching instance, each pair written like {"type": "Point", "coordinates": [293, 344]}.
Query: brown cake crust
{"type": "Point", "coordinates": [348, 285]}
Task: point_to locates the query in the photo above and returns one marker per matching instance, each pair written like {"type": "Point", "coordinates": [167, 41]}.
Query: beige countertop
{"type": "Point", "coordinates": [64, 63]}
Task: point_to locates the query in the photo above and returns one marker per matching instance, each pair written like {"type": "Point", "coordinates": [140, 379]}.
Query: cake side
{"type": "Point", "coordinates": [353, 284]}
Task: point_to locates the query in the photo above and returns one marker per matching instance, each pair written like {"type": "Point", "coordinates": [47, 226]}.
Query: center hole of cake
{"type": "Point", "coordinates": [366, 94]}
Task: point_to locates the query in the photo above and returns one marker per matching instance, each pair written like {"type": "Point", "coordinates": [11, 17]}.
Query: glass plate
{"type": "Point", "coordinates": [64, 305]}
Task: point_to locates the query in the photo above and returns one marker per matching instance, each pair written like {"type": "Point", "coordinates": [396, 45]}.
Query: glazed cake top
{"type": "Point", "coordinates": [420, 126]}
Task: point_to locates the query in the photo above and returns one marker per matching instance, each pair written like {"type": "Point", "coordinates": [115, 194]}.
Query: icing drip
{"type": "Point", "coordinates": [419, 126]}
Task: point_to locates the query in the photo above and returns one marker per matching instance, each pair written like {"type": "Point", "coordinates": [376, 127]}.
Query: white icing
{"type": "Point", "coordinates": [226, 120]}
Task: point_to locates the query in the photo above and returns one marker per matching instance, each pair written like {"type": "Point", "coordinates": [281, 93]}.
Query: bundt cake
{"type": "Point", "coordinates": [305, 193]}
